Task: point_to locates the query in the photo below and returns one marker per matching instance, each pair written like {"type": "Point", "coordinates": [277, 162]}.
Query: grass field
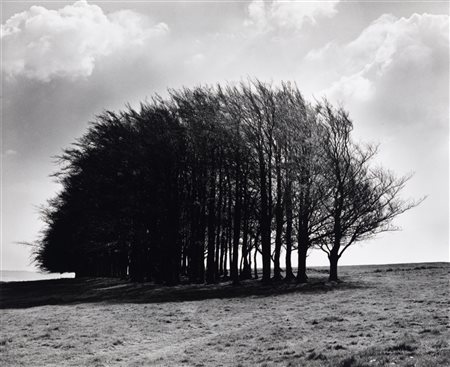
{"type": "Point", "coordinates": [378, 316]}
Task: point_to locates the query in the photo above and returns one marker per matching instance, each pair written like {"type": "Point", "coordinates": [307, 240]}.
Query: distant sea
{"type": "Point", "coordinates": [20, 276]}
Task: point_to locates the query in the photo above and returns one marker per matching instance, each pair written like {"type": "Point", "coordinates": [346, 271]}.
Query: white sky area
{"type": "Point", "coordinates": [386, 62]}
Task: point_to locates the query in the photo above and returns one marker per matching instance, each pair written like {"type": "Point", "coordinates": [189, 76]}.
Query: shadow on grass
{"type": "Point", "coordinates": [107, 290]}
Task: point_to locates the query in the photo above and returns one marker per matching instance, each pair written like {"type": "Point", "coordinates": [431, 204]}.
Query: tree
{"type": "Point", "coordinates": [198, 184]}
{"type": "Point", "coordinates": [255, 105]}
{"type": "Point", "coordinates": [299, 132]}
{"type": "Point", "coordinates": [361, 201]}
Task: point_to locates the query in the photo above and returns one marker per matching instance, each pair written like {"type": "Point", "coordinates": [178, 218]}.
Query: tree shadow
{"type": "Point", "coordinates": [114, 291]}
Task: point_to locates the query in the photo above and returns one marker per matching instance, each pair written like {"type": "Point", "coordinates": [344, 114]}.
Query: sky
{"type": "Point", "coordinates": [386, 62]}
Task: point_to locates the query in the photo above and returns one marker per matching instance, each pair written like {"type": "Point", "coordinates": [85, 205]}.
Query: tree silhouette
{"type": "Point", "coordinates": [195, 187]}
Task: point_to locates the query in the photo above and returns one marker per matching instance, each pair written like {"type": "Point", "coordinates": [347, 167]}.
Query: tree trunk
{"type": "Point", "coordinates": [334, 254]}
{"type": "Point", "coordinates": [246, 272]}
{"type": "Point", "coordinates": [255, 254]}
{"type": "Point", "coordinates": [279, 222]}
{"type": "Point", "coordinates": [264, 222]}
{"type": "Point", "coordinates": [334, 258]}
{"type": "Point", "coordinates": [136, 274]}
{"type": "Point", "coordinates": [172, 251]}
{"type": "Point", "coordinates": [201, 241]}
{"type": "Point", "coordinates": [223, 254]}
{"type": "Point", "coordinates": [301, 274]}
{"type": "Point", "coordinates": [236, 233]}
{"type": "Point", "coordinates": [217, 254]}
{"type": "Point", "coordinates": [210, 262]}
{"type": "Point", "coordinates": [246, 256]}
{"type": "Point", "coordinates": [196, 246]}
{"type": "Point", "coordinates": [184, 256]}
{"type": "Point", "coordinates": [303, 245]}
{"type": "Point", "coordinates": [288, 199]}
{"type": "Point", "coordinates": [219, 227]}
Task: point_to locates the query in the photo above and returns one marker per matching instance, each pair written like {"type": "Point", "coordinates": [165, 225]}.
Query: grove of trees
{"type": "Point", "coordinates": [205, 183]}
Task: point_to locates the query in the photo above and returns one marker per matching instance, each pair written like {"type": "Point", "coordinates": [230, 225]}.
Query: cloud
{"type": "Point", "coordinates": [42, 44]}
{"type": "Point", "coordinates": [355, 86]}
{"type": "Point", "coordinates": [401, 58]}
{"type": "Point", "coordinates": [290, 14]}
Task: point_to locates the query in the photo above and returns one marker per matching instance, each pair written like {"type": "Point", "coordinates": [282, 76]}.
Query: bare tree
{"type": "Point", "coordinates": [361, 201]}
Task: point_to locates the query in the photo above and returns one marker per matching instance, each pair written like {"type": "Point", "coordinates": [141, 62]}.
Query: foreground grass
{"type": "Point", "coordinates": [379, 316]}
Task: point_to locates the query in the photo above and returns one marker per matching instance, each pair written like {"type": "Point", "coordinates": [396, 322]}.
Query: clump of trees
{"type": "Point", "coordinates": [202, 184]}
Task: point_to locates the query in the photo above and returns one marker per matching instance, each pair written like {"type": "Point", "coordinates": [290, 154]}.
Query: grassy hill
{"type": "Point", "coordinates": [378, 316]}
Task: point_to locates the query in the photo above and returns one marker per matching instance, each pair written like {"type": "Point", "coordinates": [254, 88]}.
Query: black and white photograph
{"type": "Point", "coordinates": [225, 183]}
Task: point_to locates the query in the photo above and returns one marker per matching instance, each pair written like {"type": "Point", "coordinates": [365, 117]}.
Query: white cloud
{"type": "Point", "coordinates": [403, 58]}
{"type": "Point", "coordinates": [257, 14]}
{"type": "Point", "coordinates": [41, 44]}
{"type": "Point", "coordinates": [287, 14]}
{"type": "Point", "coordinates": [355, 86]}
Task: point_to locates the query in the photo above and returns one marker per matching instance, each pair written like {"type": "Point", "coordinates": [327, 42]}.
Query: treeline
{"type": "Point", "coordinates": [207, 182]}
